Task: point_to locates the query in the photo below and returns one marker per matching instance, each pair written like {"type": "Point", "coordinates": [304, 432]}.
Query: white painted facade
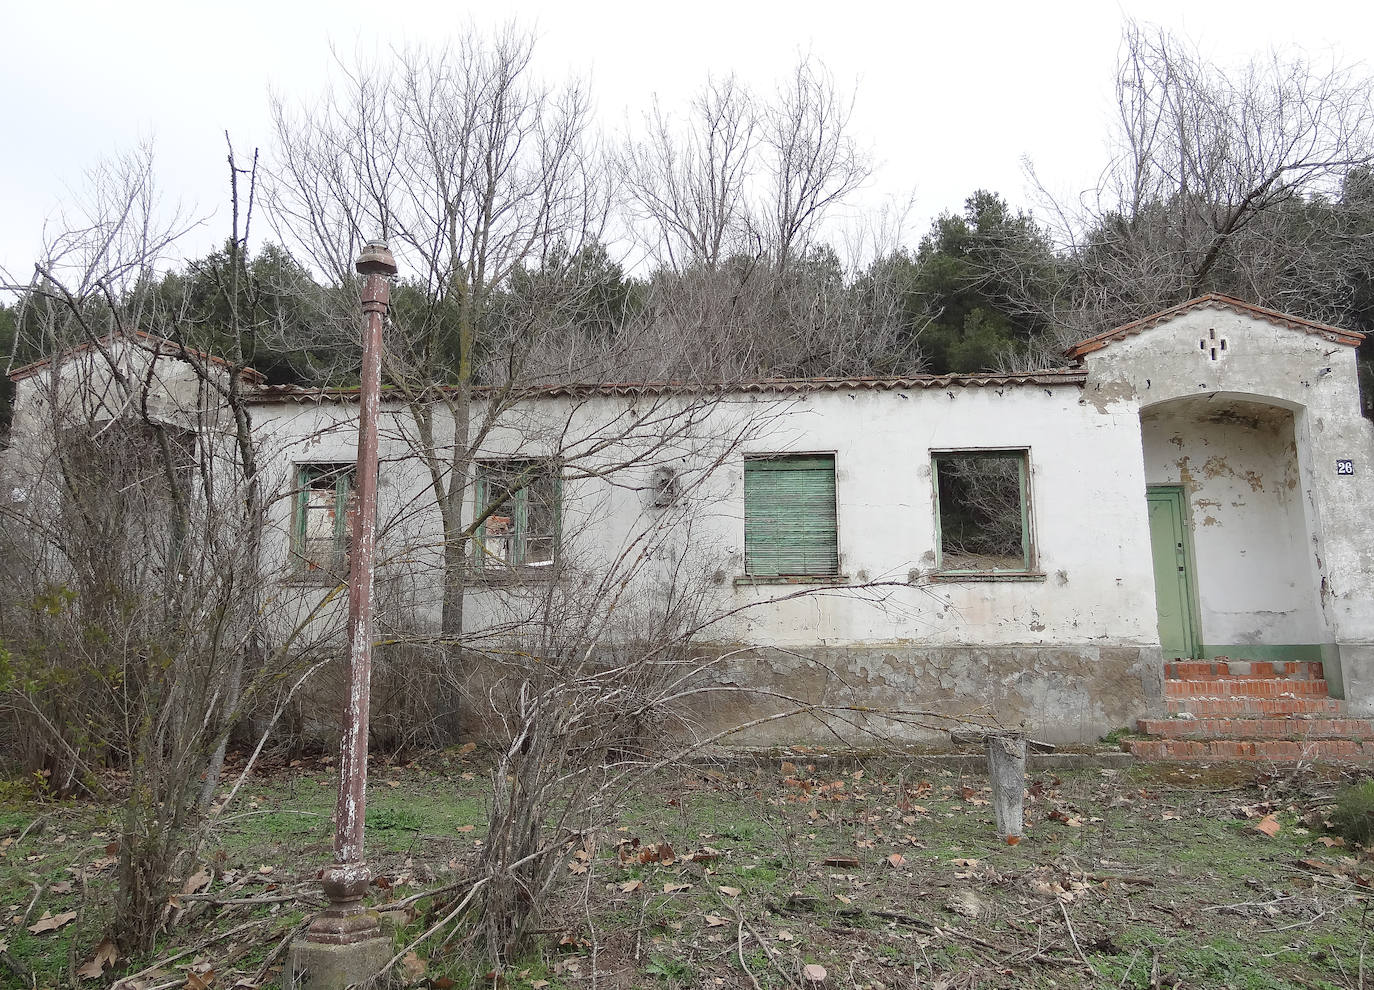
{"type": "Point", "coordinates": [1071, 645]}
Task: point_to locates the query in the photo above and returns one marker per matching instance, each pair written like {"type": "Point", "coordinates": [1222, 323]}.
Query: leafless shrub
{"type": "Point", "coordinates": [131, 581]}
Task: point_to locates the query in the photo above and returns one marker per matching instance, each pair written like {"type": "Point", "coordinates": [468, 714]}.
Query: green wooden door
{"type": "Point", "coordinates": [1175, 584]}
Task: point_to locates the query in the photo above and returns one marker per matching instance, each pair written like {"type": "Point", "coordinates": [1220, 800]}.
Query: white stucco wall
{"type": "Point", "coordinates": [1084, 463]}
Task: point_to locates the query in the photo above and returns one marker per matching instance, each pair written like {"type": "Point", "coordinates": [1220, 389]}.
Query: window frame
{"type": "Point", "coordinates": [1028, 569]}
{"type": "Point", "coordinates": [341, 552]}
{"type": "Point", "coordinates": [830, 576]}
{"type": "Point", "coordinates": [491, 565]}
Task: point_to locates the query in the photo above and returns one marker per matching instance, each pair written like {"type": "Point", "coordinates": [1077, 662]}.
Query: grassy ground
{"type": "Point", "coordinates": [886, 874]}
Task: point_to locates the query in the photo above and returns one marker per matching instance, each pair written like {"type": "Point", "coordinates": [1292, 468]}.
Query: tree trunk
{"type": "Point", "coordinates": [251, 656]}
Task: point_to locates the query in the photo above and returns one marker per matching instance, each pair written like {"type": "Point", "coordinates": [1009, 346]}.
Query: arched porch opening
{"type": "Point", "coordinates": [1229, 530]}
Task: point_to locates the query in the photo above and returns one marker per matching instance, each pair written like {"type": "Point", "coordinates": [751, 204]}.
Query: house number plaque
{"type": "Point", "coordinates": [1345, 465]}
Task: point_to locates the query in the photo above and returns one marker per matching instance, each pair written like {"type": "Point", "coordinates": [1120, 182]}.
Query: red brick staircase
{"type": "Point", "coordinates": [1251, 710]}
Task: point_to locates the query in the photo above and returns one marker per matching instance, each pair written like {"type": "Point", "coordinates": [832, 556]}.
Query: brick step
{"type": "Point", "coordinates": [1292, 727]}
{"type": "Point", "coordinates": [1206, 669]}
{"type": "Point", "coordinates": [1278, 750]}
{"type": "Point", "coordinates": [1246, 687]}
{"type": "Point", "coordinates": [1249, 705]}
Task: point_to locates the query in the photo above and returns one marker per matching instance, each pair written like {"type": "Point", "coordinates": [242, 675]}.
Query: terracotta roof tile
{"type": "Point", "coordinates": [1049, 377]}
{"type": "Point", "coordinates": [149, 342]}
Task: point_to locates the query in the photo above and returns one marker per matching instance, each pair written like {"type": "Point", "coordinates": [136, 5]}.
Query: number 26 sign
{"type": "Point", "coordinates": [1345, 465]}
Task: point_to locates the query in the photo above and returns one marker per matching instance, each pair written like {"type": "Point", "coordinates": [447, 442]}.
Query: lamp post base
{"type": "Point", "coordinates": [312, 965]}
{"type": "Point", "coordinates": [344, 945]}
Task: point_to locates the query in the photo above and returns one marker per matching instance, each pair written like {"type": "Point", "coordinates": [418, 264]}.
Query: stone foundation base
{"type": "Point", "coordinates": [320, 966]}
{"type": "Point", "coordinates": [869, 695]}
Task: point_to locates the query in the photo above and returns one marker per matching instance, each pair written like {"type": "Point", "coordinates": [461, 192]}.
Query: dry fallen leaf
{"type": "Point", "coordinates": [412, 968]}
{"type": "Point", "coordinates": [1325, 840]}
{"type": "Point", "coordinates": [630, 886]}
{"type": "Point", "coordinates": [715, 921]}
{"type": "Point", "coordinates": [196, 882]}
{"type": "Point", "coordinates": [895, 860]}
{"type": "Point", "coordinates": [1269, 825]}
{"type": "Point", "coordinates": [105, 955]}
{"type": "Point", "coordinates": [200, 981]}
{"type": "Point", "coordinates": [813, 973]}
{"type": "Point", "coordinates": [729, 891]}
{"type": "Point", "coordinates": [673, 888]}
{"type": "Point", "coordinates": [844, 900]}
{"type": "Point", "coordinates": [51, 922]}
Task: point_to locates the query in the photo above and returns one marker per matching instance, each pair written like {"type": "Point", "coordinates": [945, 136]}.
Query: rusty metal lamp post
{"type": "Point", "coordinates": [344, 945]}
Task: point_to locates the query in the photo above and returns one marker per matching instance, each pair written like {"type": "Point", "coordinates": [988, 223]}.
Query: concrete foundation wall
{"type": "Point", "coordinates": [1064, 694]}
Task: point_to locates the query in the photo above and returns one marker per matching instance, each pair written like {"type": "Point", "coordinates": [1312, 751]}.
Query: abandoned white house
{"type": "Point", "coordinates": [1031, 545]}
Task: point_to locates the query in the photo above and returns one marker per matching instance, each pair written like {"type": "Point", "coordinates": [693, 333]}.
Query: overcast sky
{"type": "Point", "coordinates": [950, 97]}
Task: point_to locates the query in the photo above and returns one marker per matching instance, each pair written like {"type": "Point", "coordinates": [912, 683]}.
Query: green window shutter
{"type": "Point", "coordinates": [789, 516]}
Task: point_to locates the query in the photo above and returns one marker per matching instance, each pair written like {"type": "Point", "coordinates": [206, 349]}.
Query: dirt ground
{"type": "Point", "coordinates": [882, 873]}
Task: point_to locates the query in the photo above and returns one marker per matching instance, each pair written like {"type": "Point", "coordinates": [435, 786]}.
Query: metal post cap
{"type": "Point", "coordinates": [376, 259]}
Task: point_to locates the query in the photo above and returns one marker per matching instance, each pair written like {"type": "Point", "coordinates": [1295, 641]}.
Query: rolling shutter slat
{"type": "Point", "coordinates": [789, 516]}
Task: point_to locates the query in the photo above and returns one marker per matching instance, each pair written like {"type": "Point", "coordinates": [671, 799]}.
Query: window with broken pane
{"type": "Point", "coordinates": [322, 530]}
{"type": "Point", "coordinates": [520, 502]}
{"type": "Point", "coordinates": [983, 510]}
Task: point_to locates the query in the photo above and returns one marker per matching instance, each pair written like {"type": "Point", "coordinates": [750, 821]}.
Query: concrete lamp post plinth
{"type": "Point", "coordinates": [345, 945]}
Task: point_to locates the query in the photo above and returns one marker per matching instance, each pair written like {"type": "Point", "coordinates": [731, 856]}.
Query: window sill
{"type": "Point", "coordinates": [321, 579]}
{"type": "Point", "coordinates": [511, 576]}
{"type": "Point", "coordinates": [968, 577]}
{"type": "Point", "coordinates": [746, 580]}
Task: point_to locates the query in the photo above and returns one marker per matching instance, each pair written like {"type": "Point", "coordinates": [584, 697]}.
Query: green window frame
{"type": "Point", "coordinates": [790, 527]}
{"type": "Point", "coordinates": [519, 505]}
{"type": "Point", "coordinates": [321, 535]}
{"type": "Point", "coordinates": [982, 511]}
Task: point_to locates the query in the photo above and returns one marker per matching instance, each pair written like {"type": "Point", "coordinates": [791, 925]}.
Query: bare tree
{"type": "Point", "coordinates": [813, 161]}
{"type": "Point", "coordinates": [729, 201]}
{"type": "Point", "coordinates": [474, 169]}
{"type": "Point", "coordinates": [1210, 165]}
{"type": "Point", "coordinates": [689, 185]}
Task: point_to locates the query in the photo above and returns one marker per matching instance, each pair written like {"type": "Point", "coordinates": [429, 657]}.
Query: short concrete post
{"type": "Point", "coordinates": [1007, 772]}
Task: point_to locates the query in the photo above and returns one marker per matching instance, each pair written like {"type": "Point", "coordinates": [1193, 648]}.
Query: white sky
{"type": "Point", "coordinates": [951, 97]}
